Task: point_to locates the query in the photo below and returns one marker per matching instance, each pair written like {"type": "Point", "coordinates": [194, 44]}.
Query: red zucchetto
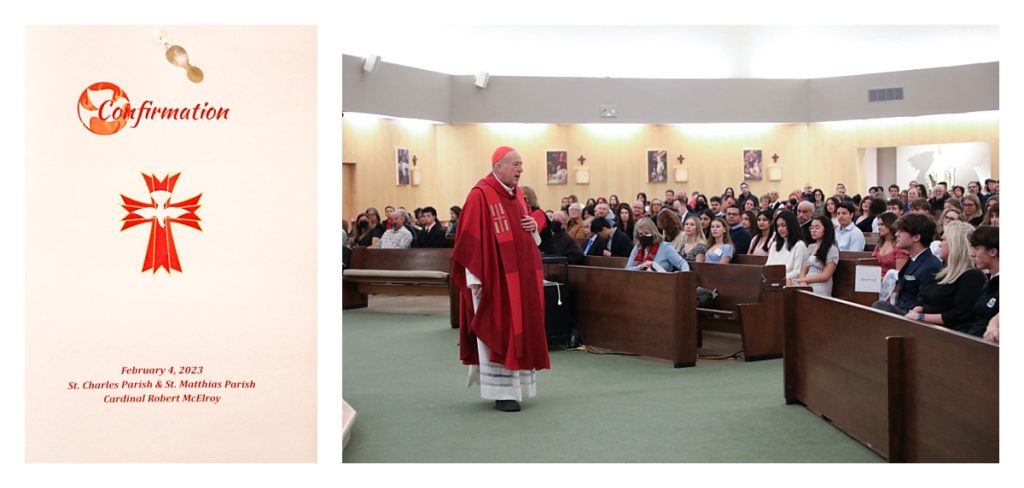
{"type": "Point", "coordinates": [500, 153]}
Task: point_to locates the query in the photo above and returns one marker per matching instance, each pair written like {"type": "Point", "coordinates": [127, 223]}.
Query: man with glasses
{"type": "Point", "coordinates": [740, 237]}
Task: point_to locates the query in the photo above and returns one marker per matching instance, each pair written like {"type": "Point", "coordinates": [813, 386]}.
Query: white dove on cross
{"type": "Point", "coordinates": [160, 211]}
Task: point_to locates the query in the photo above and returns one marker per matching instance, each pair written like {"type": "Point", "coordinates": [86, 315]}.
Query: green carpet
{"type": "Point", "coordinates": [403, 376]}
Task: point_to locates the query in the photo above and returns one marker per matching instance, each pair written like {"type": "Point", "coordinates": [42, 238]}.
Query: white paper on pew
{"type": "Point", "coordinates": [869, 279]}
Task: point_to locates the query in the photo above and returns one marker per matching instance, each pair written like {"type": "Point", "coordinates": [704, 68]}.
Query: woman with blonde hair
{"type": "Point", "coordinates": [949, 300]}
{"type": "Point", "coordinates": [695, 245]}
{"type": "Point", "coordinates": [650, 251]}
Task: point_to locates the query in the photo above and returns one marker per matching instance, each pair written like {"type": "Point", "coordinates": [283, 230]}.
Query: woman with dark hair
{"type": "Point", "coordinates": [588, 211]}
{"type": "Point", "coordinates": [651, 252]}
{"type": "Point", "coordinates": [822, 257]}
{"type": "Point", "coordinates": [624, 218]}
{"type": "Point", "coordinates": [992, 215]}
{"type": "Point", "coordinates": [728, 192]}
{"type": "Point", "coordinates": [750, 205]}
{"type": "Point", "coordinates": [748, 219]}
{"type": "Point", "coordinates": [613, 201]}
{"type": "Point", "coordinates": [830, 210]}
{"type": "Point", "coordinates": [888, 255]}
{"type": "Point", "coordinates": [706, 217]}
{"type": "Point", "coordinates": [591, 202]}
{"type": "Point", "coordinates": [376, 229]}
{"type": "Point", "coordinates": [788, 248]}
{"type": "Point", "coordinates": [700, 203]}
{"type": "Point", "coordinates": [958, 191]}
{"type": "Point", "coordinates": [763, 234]}
{"type": "Point", "coordinates": [361, 232]}
{"type": "Point", "coordinates": [720, 247]}
{"type": "Point", "coordinates": [875, 207]}
{"type": "Point", "coordinates": [453, 220]}
{"type": "Point", "coordinates": [819, 202]}
{"type": "Point", "coordinates": [643, 198]}
{"type": "Point", "coordinates": [671, 229]}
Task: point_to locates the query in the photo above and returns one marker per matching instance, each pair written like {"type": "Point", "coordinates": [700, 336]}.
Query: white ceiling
{"type": "Point", "coordinates": [676, 51]}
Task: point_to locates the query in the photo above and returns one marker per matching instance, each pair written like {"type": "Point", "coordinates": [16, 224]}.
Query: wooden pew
{"type": "Point", "coordinates": [415, 271]}
{"type": "Point", "coordinates": [750, 302]}
{"type": "Point", "coordinates": [749, 259]}
{"type": "Point", "coordinates": [603, 301]}
{"type": "Point", "coordinates": [845, 278]}
{"type": "Point", "coordinates": [909, 391]}
{"type": "Point", "coordinates": [870, 241]}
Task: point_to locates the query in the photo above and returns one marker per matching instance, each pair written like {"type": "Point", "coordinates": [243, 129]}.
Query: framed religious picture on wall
{"type": "Point", "coordinates": [657, 166]}
{"type": "Point", "coordinates": [402, 166]}
{"type": "Point", "coordinates": [558, 168]}
{"type": "Point", "coordinates": [752, 169]}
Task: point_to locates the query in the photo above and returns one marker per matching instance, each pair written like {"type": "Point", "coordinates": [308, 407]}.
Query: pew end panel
{"type": "Point", "coordinates": [664, 327]}
{"type": "Point", "coordinates": [844, 281]}
{"type": "Point", "coordinates": [911, 392]}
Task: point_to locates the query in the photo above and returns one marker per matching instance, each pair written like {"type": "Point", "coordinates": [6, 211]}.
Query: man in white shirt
{"type": "Point", "coordinates": [397, 236]}
{"type": "Point", "coordinates": [848, 236]}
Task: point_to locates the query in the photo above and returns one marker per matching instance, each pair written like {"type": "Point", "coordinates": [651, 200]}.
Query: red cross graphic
{"type": "Point", "coordinates": [160, 213]}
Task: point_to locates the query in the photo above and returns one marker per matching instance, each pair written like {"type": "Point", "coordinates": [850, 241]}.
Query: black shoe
{"type": "Point", "coordinates": [506, 405]}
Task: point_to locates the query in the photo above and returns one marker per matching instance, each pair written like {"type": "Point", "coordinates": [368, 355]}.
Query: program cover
{"type": "Point", "coordinates": [170, 244]}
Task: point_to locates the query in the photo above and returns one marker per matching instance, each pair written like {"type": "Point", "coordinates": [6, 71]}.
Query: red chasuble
{"type": "Point", "coordinates": [490, 242]}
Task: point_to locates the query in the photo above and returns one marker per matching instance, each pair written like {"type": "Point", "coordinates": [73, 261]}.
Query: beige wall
{"type": "Point", "coordinates": [453, 157]}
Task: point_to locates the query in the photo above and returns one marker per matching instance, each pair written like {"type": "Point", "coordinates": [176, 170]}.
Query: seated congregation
{"type": "Point", "coordinates": [937, 248]}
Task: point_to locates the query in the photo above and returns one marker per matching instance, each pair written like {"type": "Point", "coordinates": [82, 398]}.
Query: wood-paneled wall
{"type": "Point", "coordinates": [452, 158]}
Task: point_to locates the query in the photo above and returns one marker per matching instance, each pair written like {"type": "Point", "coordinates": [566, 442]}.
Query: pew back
{"type": "Point", "coordinates": [377, 276]}
{"type": "Point", "coordinates": [750, 299]}
{"type": "Point", "coordinates": [911, 392]}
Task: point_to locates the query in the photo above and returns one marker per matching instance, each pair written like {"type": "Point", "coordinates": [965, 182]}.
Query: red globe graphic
{"type": "Point", "coordinates": [103, 108]}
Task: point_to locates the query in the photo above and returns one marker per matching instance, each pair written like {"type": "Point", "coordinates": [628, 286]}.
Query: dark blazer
{"type": "Point", "coordinates": [916, 275]}
{"type": "Point", "coordinates": [622, 245]}
{"type": "Point", "coordinates": [434, 238]}
{"type": "Point", "coordinates": [597, 249]}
